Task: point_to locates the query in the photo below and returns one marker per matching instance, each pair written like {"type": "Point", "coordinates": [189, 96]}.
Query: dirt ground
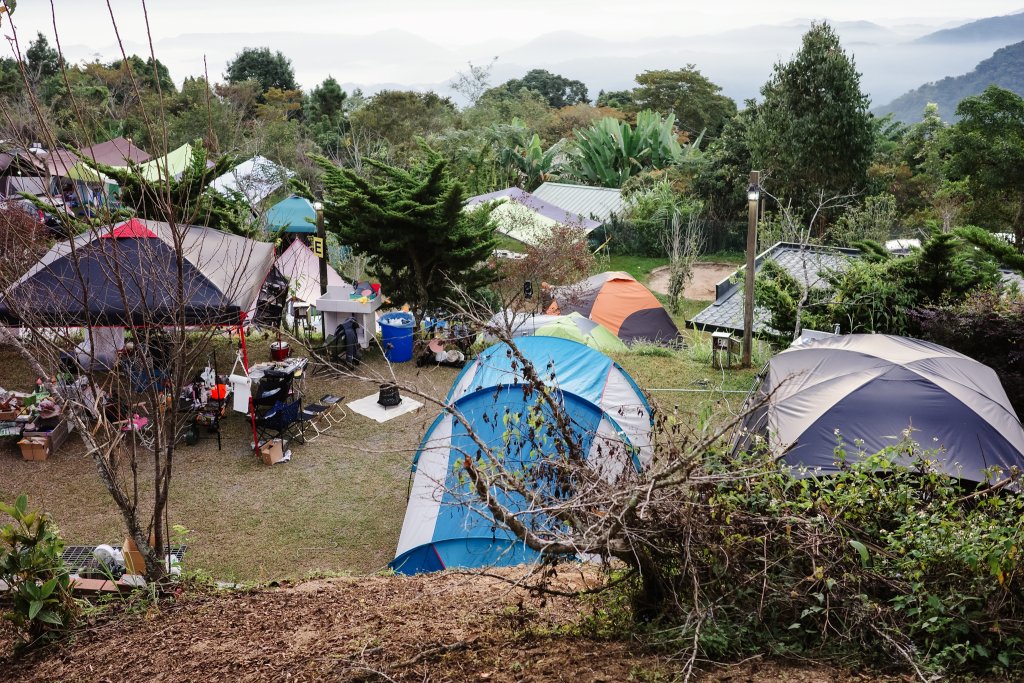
{"type": "Point", "coordinates": [701, 287]}
{"type": "Point", "coordinates": [446, 627]}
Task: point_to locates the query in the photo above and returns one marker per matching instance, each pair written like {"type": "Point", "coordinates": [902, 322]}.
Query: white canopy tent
{"type": "Point", "coordinates": [256, 178]}
{"type": "Point", "coordinates": [302, 269]}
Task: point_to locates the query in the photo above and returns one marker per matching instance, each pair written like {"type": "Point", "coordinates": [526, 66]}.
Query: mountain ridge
{"type": "Point", "coordinates": [1004, 68]}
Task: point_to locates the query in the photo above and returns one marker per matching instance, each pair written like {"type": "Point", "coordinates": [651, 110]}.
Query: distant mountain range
{"type": "Point", "coordinates": [1005, 68]}
{"type": "Point", "coordinates": [1008, 27]}
{"type": "Point", "coordinates": [890, 58]}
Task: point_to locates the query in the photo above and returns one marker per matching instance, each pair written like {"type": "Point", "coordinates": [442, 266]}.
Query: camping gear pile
{"type": "Point", "coordinates": [35, 419]}
{"type": "Point", "coordinates": [445, 524]}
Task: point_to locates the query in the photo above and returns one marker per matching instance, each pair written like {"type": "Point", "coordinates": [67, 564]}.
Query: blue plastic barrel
{"type": "Point", "coordinates": [396, 336]}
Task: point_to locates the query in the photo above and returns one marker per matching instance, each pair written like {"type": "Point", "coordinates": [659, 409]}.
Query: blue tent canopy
{"type": "Point", "coordinates": [450, 527]}
{"type": "Point", "coordinates": [294, 214]}
{"type": "Point", "coordinates": [446, 525]}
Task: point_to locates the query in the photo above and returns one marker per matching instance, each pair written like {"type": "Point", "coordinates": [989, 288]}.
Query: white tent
{"type": "Point", "coordinates": [302, 269]}
{"type": "Point", "coordinates": [256, 178]}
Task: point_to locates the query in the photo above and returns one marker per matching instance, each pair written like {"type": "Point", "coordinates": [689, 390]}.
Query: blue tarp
{"type": "Point", "coordinates": [294, 214]}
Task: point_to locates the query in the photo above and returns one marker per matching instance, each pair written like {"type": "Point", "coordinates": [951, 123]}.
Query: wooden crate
{"type": "Point", "coordinates": [55, 437]}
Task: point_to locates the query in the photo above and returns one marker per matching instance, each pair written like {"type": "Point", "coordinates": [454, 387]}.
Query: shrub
{"type": "Point", "coordinates": [31, 565]}
{"type": "Point", "coordinates": [888, 561]}
{"type": "Point", "coordinates": [989, 327]}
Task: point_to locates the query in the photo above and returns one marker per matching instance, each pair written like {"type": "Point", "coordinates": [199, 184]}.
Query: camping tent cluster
{"type": "Point", "coordinates": [69, 175]}
{"type": "Point", "coordinates": [620, 303]}
{"type": "Point", "coordinates": [491, 401]}
{"type": "Point", "coordinates": [573, 326]}
{"type": "Point", "coordinates": [608, 312]}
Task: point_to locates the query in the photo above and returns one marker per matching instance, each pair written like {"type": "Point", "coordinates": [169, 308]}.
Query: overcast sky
{"type": "Point", "coordinates": [461, 30]}
{"type": "Point", "coordinates": [472, 21]}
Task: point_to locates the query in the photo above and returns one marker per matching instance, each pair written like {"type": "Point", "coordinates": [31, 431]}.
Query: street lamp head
{"type": "Point", "coordinates": [318, 206]}
{"type": "Point", "coordinates": [753, 193]}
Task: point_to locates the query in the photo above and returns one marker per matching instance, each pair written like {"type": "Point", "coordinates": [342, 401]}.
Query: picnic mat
{"type": "Point", "coordinates": [370, 408]}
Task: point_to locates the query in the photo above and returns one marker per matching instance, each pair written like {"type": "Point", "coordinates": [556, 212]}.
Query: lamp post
{"type": "Point", "coordinates": [321, 235]}
{"type": "Point", "coordinates": [753, 203]}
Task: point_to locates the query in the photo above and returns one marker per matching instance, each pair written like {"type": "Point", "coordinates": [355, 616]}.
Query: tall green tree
{"type": "Point", "coordinates": [411, 225]}
{"type": "Point", "coordinates": [987, 149]}
{"type": "Point", "coordinates": [269, 69]}
{"type": "Point", "coordinates": [616, 99]}
{"type": "Point", "coordinates": [403, 116]}
{"type": "Point", "coordinates": [328, 100]}
{"type": "Point", "coordinates": [721, 181]}
{"type": "Point", "coordinates": [556, 89]}
{"type": "Point", "coordinates": [697, 103]}
{"type": "Point", "coordinates": [813, 132]}
{"type": "Point", "coordinates": [325, 116]}
{"type": "Point", "coordinates": [41, 60]}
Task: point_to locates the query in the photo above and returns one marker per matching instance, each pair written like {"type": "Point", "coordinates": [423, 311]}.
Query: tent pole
{"type": "Point", "coordinates": [245, 362]}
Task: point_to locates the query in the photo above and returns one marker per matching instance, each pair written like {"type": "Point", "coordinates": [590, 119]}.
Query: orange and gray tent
{"type": "Point", "coordinates": [873, 388]}
{"type": "Point", "coordinates": [620, 303]}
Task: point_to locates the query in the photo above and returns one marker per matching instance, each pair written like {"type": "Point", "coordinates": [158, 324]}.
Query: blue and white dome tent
{"type": "Point", "coordinates": [446, 524]}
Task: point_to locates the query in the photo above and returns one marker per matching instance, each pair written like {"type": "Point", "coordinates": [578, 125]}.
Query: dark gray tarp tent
{"type": "Point", "coordinates": [873, 387]}
{"type": "Point", "coordinates": [127, 275]}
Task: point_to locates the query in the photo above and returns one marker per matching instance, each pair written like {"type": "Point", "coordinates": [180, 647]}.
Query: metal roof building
{"type": "Point", "coordinates": [801, 261]}
{"type": "Point", "coordinates": [590, 202]}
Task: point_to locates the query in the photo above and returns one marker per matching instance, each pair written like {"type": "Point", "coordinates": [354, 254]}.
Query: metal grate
{"type": "Point", "coordinates": [75, 556]}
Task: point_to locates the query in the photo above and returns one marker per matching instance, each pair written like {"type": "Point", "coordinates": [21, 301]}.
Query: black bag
{"type": "Point", "coordinates": [351, 340]}
{"type": "Point", "coordinates": [389, 396]}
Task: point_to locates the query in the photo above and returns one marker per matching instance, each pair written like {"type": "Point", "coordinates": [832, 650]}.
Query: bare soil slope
{"type": "Point", "coordinates": [701, 286]}
{"type": "Point", "coordinates": [436, 628]}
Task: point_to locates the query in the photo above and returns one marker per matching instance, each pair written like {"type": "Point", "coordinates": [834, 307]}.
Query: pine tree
{"type": "Point", "coordinates": [410, 224]}
{"type": "Point", "coordinates": [813, 131]}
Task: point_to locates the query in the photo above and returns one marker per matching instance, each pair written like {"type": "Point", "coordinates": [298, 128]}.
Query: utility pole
{"type": "Point", "coordinates": [321, 251]}
{"type": "Point", "coordinates": [753, 204]}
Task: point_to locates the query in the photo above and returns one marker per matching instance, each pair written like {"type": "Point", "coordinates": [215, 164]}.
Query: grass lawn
{"type": "Point", "coordinates": [639, 267]}
{"type": "Point", "coordinates": [338, 505]}
{"type": "Point", "coordinates": [737, 257]}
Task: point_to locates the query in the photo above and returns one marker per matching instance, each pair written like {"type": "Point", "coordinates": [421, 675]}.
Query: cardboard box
{"type": "Point", "coordinates": [10, 414]}
{"type": "Point", "coordinates": [133, 561]}
{"type": "Point", "coordinates": [272, 451]}
{"type": "Point", "coordinates": [35, 448]}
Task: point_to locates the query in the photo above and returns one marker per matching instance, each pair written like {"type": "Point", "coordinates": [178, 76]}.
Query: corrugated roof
{"type": "Point", "coordinates": [116, 152]}
{"type": "Point", "coordinates": [525, 217]}
{"type": "Point", "coordinates": [593, 202]}
{"type": "Point", "coordinates": [802, 262]}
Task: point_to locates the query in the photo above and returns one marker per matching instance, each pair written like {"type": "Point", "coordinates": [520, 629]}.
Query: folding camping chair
{"type": "Point", "coordinates": [319, 416]}
{"type": "Point", "coordinates": [273, 388]}
{"type": "Point", "coordinates": [284, 421]}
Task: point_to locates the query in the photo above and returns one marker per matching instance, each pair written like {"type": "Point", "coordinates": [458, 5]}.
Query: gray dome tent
{"type": "Point", "coordinates": [873, 387]}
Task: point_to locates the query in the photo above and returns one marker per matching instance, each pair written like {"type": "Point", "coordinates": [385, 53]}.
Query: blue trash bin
{"type": "Point", "coordinates": [396, 336]}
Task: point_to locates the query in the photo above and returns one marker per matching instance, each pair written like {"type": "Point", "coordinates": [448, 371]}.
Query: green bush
{"type": "Point", "coordinates": [31, 565]}
{"type": "Point", "coordinates": [886, 562]}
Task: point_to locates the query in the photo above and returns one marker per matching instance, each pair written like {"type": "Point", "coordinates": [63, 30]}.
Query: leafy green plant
{"type": "Point", "coordinates": [609, 152]}
{"type": "Point", "coordinates": [532, 164]}
{"type": "Point", "coordinates": [31, 565]}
